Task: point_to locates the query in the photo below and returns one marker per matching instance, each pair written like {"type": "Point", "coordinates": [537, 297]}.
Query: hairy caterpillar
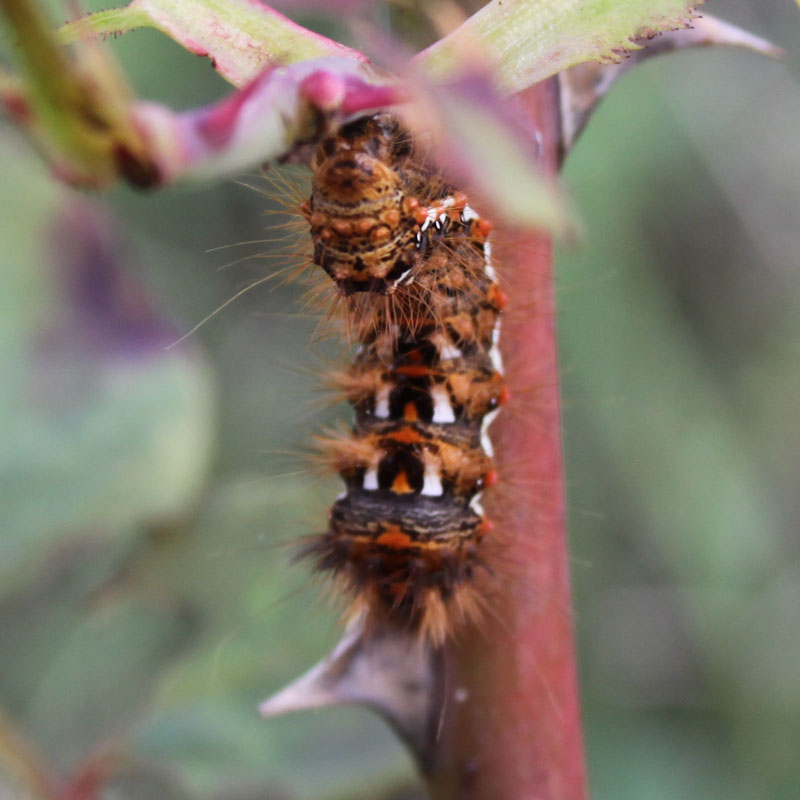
{"type": "Point", "coordinates": [404, 539]}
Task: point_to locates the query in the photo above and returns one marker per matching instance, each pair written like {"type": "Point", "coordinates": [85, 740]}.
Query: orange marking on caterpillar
{"type": "Point", "coordinates": [405, 435]}
{"type": "Point", "coordinates": [381, 233]}
{"type": "Point", "coordinates": [395, 538]}
{"type": "Point", "coordinates": [420, 215]}
{"type": "Point", "coordinates": [391, 217]}
{"type": "Point", "coordinates": [460, 201]}
{"type": "Point", "coordinates": [413, 370]}
{"type": "Point", "coordinates": [482, 228]}
{"type": "Point", "coordinates": [400, 484]}
{"type": "Point", "coordinates": [497, 297]}
{"type": "Point", "coordinates": [410, 412]}
{"type": "Point", "coordinates": [364, 225]}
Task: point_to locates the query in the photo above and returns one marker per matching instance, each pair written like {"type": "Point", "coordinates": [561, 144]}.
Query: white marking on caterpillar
{"type": "Point", "coordinates": [489, 268]}
{"type": "Point", "coordinates": [450, 351]}
{"type": "Point", "coordinates": [469, 214]}
{"type": "Point", "coordinates": [476, 503]}
{"type": "Point", "coordinates": [404, 276]}
{"type": "Point", "coordinates": [382, 401]}
{"type": "Point", "coordinates": [494, 351]}
{"type": "Point", "coordinates": [447, 351]}
{"type": "Point", "coordinates": [486, 442]}
{"type": "Point", "coordinates": [431, 217]}
{"type": "Point", "coordinates": [371, 480]}
{"type": "Point", "coordinates": [432, 485]}
{"type": "Point", "coordinates": [442, 410]}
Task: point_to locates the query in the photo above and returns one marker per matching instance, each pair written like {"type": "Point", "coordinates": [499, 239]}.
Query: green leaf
{"type": "Point", "coordinates": [240, 37]}
{"type": "Point", "coordinates": [82, 681]}
{"type": "Point", "coordinates": [263, 621]}
{"type": "Point", "coordinates": [499, 161]}
{"type": "Point", "coordinates": [74, 104]}
{"type": "Point", "coordinates": [523, 42]}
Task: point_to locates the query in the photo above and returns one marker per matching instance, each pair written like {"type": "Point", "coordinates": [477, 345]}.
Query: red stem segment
{"type": "Point", "coordinates": [511, 725]}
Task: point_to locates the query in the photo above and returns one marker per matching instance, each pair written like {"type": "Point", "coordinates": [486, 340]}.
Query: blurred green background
{"type": "Point", "coordinates": [147, 494]}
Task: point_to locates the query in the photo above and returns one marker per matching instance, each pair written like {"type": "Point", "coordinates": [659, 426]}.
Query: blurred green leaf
{"type": "Point", "coordinates": [99, 675]}
{"type": "Point", "coordinates": [678, 336]}
{"type": "Point", "coordinates": [498, 158]}
{"type": "Point", "coordinates": [523, 42]}
{"type": "Point", "coordinates": [709, 508]}
{"type": "Point", "coordinates": [103, 429]}
{"type": "Point", "coordinates": [136, 780]}
{"type": "Point", "coordinates": [74, 104]}
{"type": "Point", "coordinates": [262, 624]}
{"type": "Point", "coordinates": [21, 762]}
{"type": "Point", "coordinates": [241, 38]}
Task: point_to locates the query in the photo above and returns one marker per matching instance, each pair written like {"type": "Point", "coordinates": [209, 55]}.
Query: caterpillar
{"type": "Point", "coordinates": [413, 261]}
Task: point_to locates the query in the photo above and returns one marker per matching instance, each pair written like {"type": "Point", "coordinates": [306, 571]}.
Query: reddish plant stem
{"type": "Point", "coordinates": [511, 723]}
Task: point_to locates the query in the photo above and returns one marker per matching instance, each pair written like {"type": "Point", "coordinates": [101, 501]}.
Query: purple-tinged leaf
{"type": "Point", "coordinates": [103, 429]}
{"type": "Point", "coordinates": [477, 138]}
{"type": "Point", "coordinates": [524, 42]}
{"type": "Point", "coordinates": [107, 314]}
{"type": "Point", "coordinates": [281, 109]}
{"type": "Point", "coordinates": [241, 37]}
